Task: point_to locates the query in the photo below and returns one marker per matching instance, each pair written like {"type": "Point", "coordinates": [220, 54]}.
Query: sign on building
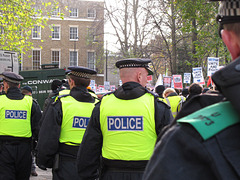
{"type": "Point", "coordinates": [9, 61]}
{"type": "Point", "coordinates": [213, 65]}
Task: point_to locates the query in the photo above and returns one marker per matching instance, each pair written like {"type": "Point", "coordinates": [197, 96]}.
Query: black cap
{"type": "Point", "coordinates": [56, 84]}
{"type": "Point", "coordinates": [134, 63]}
{"type": "Point", "coordinates": [28, 88]}
{"type": "Point", "coordinates": [229, 11]}
{"type": "Point", "coordinates": [11, 77]}
{"type": "Point", "coordinates": [81, 72]}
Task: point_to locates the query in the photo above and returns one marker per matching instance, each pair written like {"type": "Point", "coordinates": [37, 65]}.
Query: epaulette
{"type": "Point", "coordinates": [64, 95]}
{"type": "Point", "coordinates": [108, 93]}
{"type": "Point", "coordinates": [212, 119]}
{"type": "Point", "coordinates": [154, 94]}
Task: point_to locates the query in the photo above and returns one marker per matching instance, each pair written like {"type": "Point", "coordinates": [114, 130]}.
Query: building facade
{"type": "Point", "coordinates": [74, 36]}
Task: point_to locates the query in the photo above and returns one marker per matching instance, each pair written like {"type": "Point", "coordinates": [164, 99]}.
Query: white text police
{"type": "Point", "coordinates": [80, 122]}
{"type": "Point", "coordinates": [125, 123]}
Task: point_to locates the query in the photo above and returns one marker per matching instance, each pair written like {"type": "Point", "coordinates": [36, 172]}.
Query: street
{"type": "Point", "coordinates": [42, 175]}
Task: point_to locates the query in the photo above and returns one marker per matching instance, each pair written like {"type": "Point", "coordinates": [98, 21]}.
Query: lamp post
{"type": "Point", "coordinates": [75, 53]}
{"type": "Point", "coordinates": [106, 61]}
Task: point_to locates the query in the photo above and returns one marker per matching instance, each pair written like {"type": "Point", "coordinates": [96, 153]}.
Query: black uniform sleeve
{"type": "Point", "coordinates": [163, 115]}
{"type": "Point", "coordinates": [36, 115]}
{"type": "Point", "coordinates": [89, 153]}
{"type": "Point", "coordinates": [48, 142]}
{"type": "Point", "coordinates": [179, 155]}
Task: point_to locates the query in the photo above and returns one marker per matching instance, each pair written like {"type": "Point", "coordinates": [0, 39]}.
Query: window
{"type": "Point", "coordinates": [73, 33]}
{"type": "Point", "coordinates": [36, 56]}
{"type": "Point", "coordinates": [91, 60]}
{"type": "Point", "coordinates": [91, 13]}
{"type": "Point", "coordinates": [56, 57]}
{"type": "Point", "coordinates": [73, 58]}
{"type": "Point", "coordinates": [36, 32]}
{"type": "Point", "coordinates": [56, 33]}
{"type": "Point", "coordinates": [55, 11]}
{"type": "Point", "coordinates": [73, 12]}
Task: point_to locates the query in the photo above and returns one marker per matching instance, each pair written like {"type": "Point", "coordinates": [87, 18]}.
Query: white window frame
{"type": "Point", "coordinates": [59, 33]}
{"type": "Point", "coordinates": [72, 64]}
{"type": "Point", "coordinates": [55, 12]}
{"type": "Point", "coordinates": [39, 59]}
{"type": "Point", "coordinates": [94, 60]}
{"type": "Point", "coordinates": [72, 13]}
{"type": "Point", "coordinates": [59, 56]}
{"type": "Point", "coordinates": [91, 14]}
{"type": "Point", "coordinates": [73, 39]}
{"type": "Point", "coordinates": [38, 32]}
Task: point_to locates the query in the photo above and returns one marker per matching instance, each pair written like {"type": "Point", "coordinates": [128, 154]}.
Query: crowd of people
{"type": "Point", "coordinates": [131, 133]}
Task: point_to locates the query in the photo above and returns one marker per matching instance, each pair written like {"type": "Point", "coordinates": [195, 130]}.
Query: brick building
{"type": "Point", "coordinates": [75, 40]}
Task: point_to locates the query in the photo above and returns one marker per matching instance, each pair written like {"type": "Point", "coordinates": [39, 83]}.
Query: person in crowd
{"type": "Point", "coordinates": [1, 86]}
{"type": "Point", "coordinates": [55, 85]}
{"type": "Point", "coordinates": [159, 90]}
{"type": "Point", "coordinates": [194, 89]}
{"type": "Point", "coordinates": [123, 128]}
{"type": "Point", "coordinates": [172, 99]}
{"type": "Point", "coordinates": [185, 92]}
{"type": "Point", "coordinates": [27, 90]}
{"type": "Point", "coordinates": [205, 144]}
{"type": "Point", "coordinates": [64, 124]}
{"type": "Point", "coordinates": [19, 123]}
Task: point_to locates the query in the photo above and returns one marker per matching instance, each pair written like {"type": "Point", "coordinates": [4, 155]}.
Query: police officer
{"type": "Point", "coordinates": [123, 127]}
{"type": "Point", "coordinates": [1, 86]}
{"type": "Point", "coordinates": [64, 124]}
{"type": "Point", "coordinates": [19, 118]}
{"type": "Point", "coordinates": [172, 99]}
{"type": "Point", "coordinates": [205, 144]}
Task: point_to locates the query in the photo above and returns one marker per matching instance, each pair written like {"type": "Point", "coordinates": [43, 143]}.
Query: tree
{"type": "Point", "coordinates": [131, 25]}
{"type": "Point", "coordinates": [17, 19]}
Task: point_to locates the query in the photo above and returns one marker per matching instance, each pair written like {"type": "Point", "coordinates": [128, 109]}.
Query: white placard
{"type": "Point", "coordinates": [198, 75]}
{"type": "Point", "coordinates": [213, 65]}
{"type": "Point", "coordinates": [187, 78]}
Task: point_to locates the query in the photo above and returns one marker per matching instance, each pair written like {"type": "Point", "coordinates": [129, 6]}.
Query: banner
{"type": "Point", "coordinates": [93, 85]}
{"type": "Point", "coordinates": [213, 64]}
{"type": "Point", "coordinates": [198, 75]}
{"type": "Point", "coordinates": [107, 85]}
{"type": "Point", "coordinates": [187, 78]}
{"type": "Point", "coordinates": [100, 88]}
{"type": "Point", "coordinates": [149, 78]}
{"type": "Point", "coordinates": [167, 81]}
{"type": "Point", "coordinates": [112, 87]}
{"type": "Point", "coordinates": [177, 81]}
{"type": "Point", "coordinates": [159, 81]}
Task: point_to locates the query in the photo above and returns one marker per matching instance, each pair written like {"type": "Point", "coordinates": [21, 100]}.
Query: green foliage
{"type": "Point", "coordinates": [199, 19]}
{"type": "Point", "coordinates": [17, 18]}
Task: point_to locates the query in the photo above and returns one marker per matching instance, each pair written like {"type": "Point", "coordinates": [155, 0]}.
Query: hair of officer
{"type": "Point", "coordinates": [79, 81]}
{"type": "Point", "coordinates": [11, 84]}
{"type": "Point", "coordinates": [235, 27]}
{"type": "Point", "coordinates": [195, 88]}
